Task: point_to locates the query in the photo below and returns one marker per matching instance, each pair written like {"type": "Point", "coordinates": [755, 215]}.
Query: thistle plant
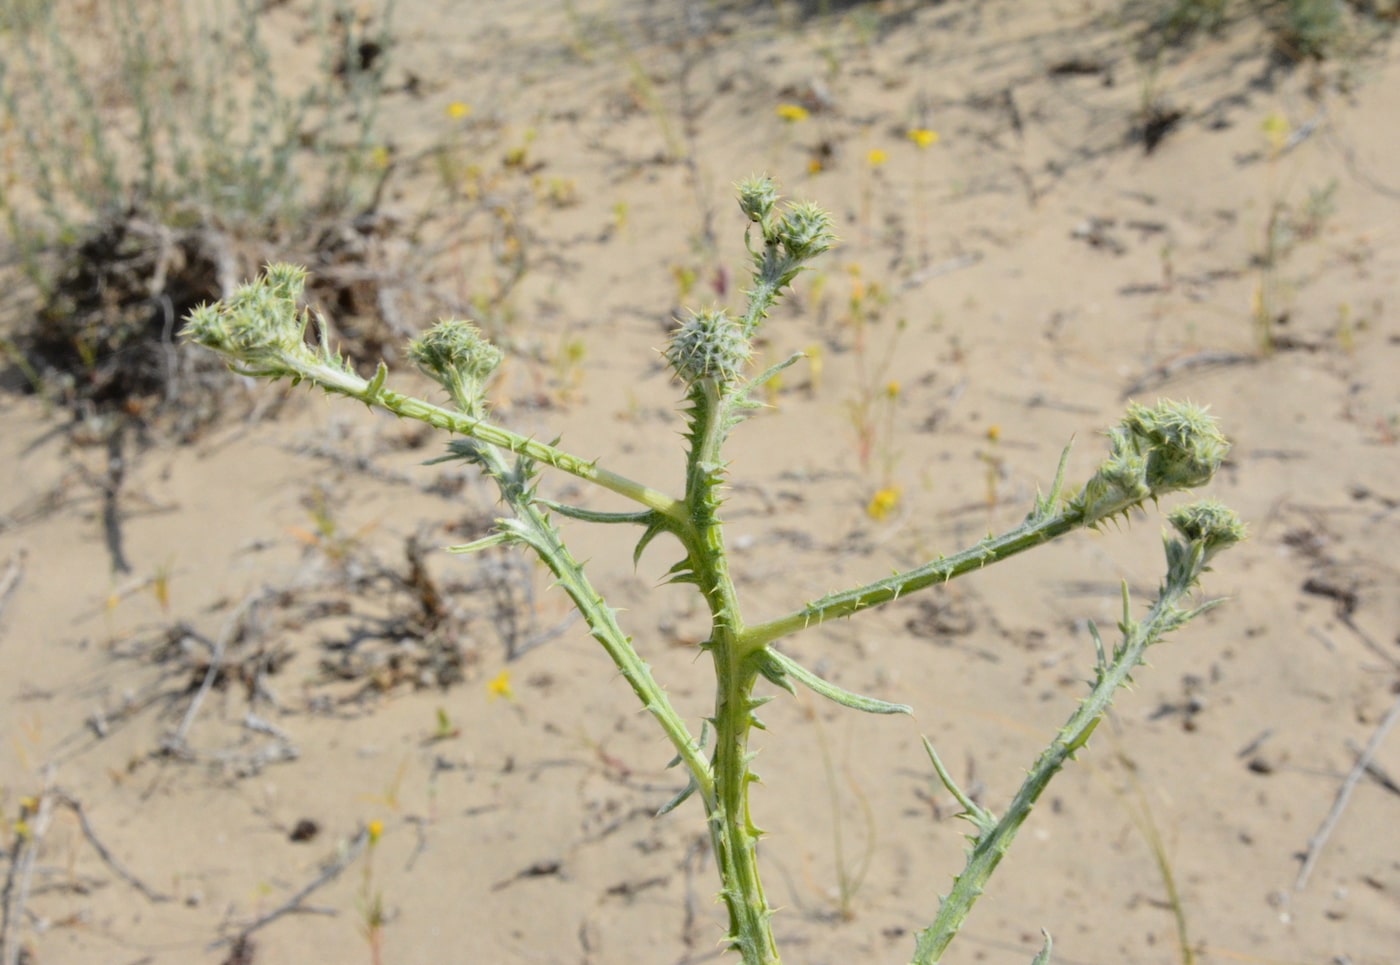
{"type": "Point", "coordinates": [1155, 450]}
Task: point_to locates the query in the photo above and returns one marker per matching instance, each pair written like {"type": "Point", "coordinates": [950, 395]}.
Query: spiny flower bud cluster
{"type": "Point", "coordinates": [1212, 524]}
{"type": "Point", "coordinates": [457, 356]}
{"type": "Point", "coordinates": [708, 345]}
{"type": "Point", "coordinates": [805, 231]}
{"type": "Point", "coordinates": [259, 323]}
{"type": "Point", "coordinates": [1205, 528]}
{"type": "Point", "coordinates": [757, 196]}
{"type": "Point", "coordinates": [798, 235]}
{"type": "Point", "coordinates": [1153, 451]}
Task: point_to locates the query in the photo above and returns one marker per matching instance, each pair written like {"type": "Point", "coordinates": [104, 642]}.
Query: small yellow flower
{"type": "Point", "coordinates": [792, 113]}
{"type": "Point", "coordinates": [815, 166]}
{"type": "Point", "coordinates": [1276, 129]}
{"type": "Point", "coordinates": [876, 157]}
{"type": "Point", "coordinates": [923, 137]}
{"type": "Point", "coordinates": [376, 831]}
{"type": "Point", "coordinates": [458, 110]}
{"type": "Point", "coordinates": [892, 389]}
{"type": "Point", "coordinates": [500, 686]}
{"type": "Point", "coordinates": [379, 158]}
{"type": "Point", "coordinates": [883, 503]}
{"type": "Point", "coordinates": [993, 432]}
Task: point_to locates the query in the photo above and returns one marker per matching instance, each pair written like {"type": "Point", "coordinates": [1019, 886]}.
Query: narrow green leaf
{"type": "Point", "coordinates": [773, 370]}
{"type": "Point", "coordinates": [594, 516]}
{"type": "Point", "coordinates": [486, 542]}
{"type": "Point", "coordinates": [776, 665]}
{"type": "Point", "coordinates": [657, 525]}
{"type": "Point", "coordinates": [775, 674]}
{"type": "Point", "coordinates": [678, 800]}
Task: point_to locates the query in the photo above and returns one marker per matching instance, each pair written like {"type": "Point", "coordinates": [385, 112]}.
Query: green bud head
{"type": "Point", "coordinates": [757, 196]}
{"type": "Point", "coordinates": [1182, 442]}
{"type": "Point", "coordinates": [259, 321]}
{"type": "Point", "coordinates": [1212, 524]}
{"type": "Point", "coordinates": [805, 231]}
{"type": "Point", "coordinates": [708, 345]}
{"type": "Point", "coordinates": [459, 357]}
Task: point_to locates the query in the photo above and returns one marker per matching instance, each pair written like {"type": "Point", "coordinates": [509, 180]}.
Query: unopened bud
{"type": "Point", "coordinates": [458, 356]}
{"type": "Point", "coordinates": [708, 345]}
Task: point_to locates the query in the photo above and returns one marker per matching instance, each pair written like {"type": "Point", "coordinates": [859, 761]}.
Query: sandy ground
{"type": "Point", "coordinates": [1020, 280]}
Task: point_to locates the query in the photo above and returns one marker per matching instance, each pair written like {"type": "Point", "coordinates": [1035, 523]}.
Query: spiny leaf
{"type": "Point", "coordinates": [775, 674]}
{"type": "Point", "coordinates": [1043, 957]}
{"type": "Point", "coordinates": [786, 666]}
{"type": "Point", "coordinates": [681, 572]}
{"type": "Point", "coordinates": [656, 526]}
{"type": "Point", "coordinates": [678, 800]}
{"type": "Point", "coordinates": [594, 516]}
{"type": "Point", "coordinates": [486, 542]}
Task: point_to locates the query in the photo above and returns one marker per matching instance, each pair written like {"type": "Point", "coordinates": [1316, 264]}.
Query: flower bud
{"type": "Point", "coordinates": [805, 231]}
{"type": "Point", "coordinates": [258, 322]}
{"type": "Point", "coordinates": [455, 353]}
{"type": "Point", "coordinates": [757, 196]}
{"type": "Point", "coordinates": [708, 345]}
{"type": "Point", "coordinates": [1153, 451]}
{"type": "Point", "coordinates": [1183, 444]}
{"type": "Point", "coordinates": [1212, 524]}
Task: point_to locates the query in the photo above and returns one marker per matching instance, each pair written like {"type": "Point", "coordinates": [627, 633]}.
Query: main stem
{"type": "Point", "coordinates": [732, 832]}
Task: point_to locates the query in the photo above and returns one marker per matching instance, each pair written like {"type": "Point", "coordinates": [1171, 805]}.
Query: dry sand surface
{"type": "Point", "coordinates": [1020, 280]}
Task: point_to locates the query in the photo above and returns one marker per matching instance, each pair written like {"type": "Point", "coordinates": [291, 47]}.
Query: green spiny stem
{"type": "Point", "coordinates": [262, 331]}
{"type": "Point", "coordinates": [733, 834]}
{"type": "Point", "coordinates": [761, 300]}
{"type": "Point", "coordinates": [333, 378]}
{"type": "Point", "coordinates": [994, 836]}
{"type": "Point", "coordinates": [1152, 452]}
{"type": "Point", "coordinates": [941, 570]}
{"type": "Point", "coordinates": [532, 527]}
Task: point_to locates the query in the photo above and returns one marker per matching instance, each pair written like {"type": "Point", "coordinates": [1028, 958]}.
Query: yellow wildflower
{"type": "Point", "coordinates": [892, 389]}
{"type": "Point", "coordinates": [1276, 129]}
{"type": "Point", "coordinates": [923, 137]}
{"type": "Point", "coordinates": [876, 157]}
{"type": "Point", "coordinates": [993, 432]}
{"type": "Point", "coordinates": [458, 110]}
{"type": "Point", "coordinates": [883, 503]}
{"type": "Point", "coordinates": [792, 113]}
{"type": "Point", "coordinates": [376, 831]}
{"type": "Point", "coordinates": [500, 686]}
{"type": "Point", "coordinates": [815, 166]}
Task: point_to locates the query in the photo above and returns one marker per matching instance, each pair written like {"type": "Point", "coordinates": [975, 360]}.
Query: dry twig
{"type": "Point", "coordinates": [16, 895]}
{"type": "Point", "coordinates": [109, 859]}
{"type": "Point", "coordinates": [344, 857]}
{"type": "Point", "coordinates": [11, 578]}
{"type": "Point", "coordinates": [1324, 831]}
